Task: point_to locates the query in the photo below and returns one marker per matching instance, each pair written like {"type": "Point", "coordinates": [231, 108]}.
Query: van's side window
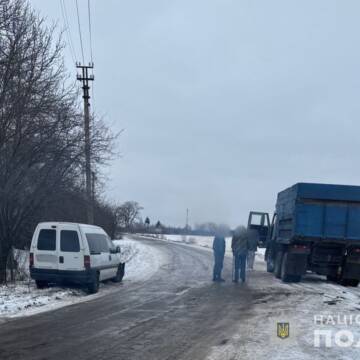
{"type": "Point", "coordinates": [69, 241]}
{"type": "Point", "coordinates": [97, 243]}
{"type": "Point", "coordinates": [110, 243]}
{"type": "Point", "coordinates": [47, 240]}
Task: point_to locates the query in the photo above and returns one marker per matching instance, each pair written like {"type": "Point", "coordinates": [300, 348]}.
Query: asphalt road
{"type": "Point", "coordinates": [177, 314]}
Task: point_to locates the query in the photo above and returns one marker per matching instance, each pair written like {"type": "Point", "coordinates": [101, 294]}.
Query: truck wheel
{"type": "Point", "coordinates": [331, 278]}
{"type": "Point", "coordinates": [349, 282]}
{"type": "Point", "coordinates": [295, 278]}
{"type": "Point", "coordinates": [120, 273]}
{"type": "Point", "coordinates": [278, 264]}
{"type": "Point", "coordinates": [41, 284]}
{"type": "Point", "coordinates": [284, 276]}
{"type": "Point", "coordinates": [353, 282]}
{"type": "Point", "coordinates": [93, 287]}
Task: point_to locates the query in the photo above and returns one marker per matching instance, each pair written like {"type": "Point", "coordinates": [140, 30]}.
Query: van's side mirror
{"type": "Point", "coordinates": [118, 250]}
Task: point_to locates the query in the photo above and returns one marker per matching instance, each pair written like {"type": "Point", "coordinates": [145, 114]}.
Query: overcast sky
{"type": "Point", "coordinates": [224, 103]}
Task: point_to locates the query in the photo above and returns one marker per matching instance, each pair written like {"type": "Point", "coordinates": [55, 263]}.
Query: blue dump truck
{"type": "Point", "coordinates": [315, 227]}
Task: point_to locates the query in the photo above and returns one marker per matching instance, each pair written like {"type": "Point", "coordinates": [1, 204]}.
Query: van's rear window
{"type": "Point", "coordinates": [97, 243]}
{"type": "Point", "coordinates": [69, 241]}
{"type": "Point", "coordinates": [47, 240]}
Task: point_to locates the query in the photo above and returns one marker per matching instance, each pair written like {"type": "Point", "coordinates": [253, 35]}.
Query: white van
{"type": "Point", "coordinates": [75, 253]}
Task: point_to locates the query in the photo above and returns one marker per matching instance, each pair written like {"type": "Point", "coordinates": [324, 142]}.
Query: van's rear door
{"type": "Point", "coordinates": [71, 248]}
{"type": "Point", "coordinates": [45, 248]}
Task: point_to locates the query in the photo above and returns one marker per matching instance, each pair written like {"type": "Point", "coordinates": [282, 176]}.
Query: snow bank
{"type": "Point", "coordinates": [24, 297]}
{"type": "Point", "coordinates": [142, 260]}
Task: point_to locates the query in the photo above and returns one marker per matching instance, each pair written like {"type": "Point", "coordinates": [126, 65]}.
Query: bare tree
{"type": "Point", "coordinates": [127, 213]}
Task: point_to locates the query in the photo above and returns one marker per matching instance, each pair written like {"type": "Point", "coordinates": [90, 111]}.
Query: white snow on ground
{"type": "Point", "coordinates": [23, 298]}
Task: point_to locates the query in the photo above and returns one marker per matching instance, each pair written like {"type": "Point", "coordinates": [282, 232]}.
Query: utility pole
{"type": "Point", "coordinates": [84, 77]}
{"type": "Point", "coordinates": [187, 219]}
{"type": "Point", "coordinates": [93, 183]}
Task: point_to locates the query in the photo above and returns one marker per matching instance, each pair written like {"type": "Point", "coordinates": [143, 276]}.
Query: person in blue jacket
{"type": "Point", "coordinates": [219, 252]}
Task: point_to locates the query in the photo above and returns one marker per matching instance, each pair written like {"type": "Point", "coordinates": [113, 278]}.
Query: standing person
{"type": "Point", "coordinates": [239, 246]}
{"type": "Point", "coordinates": [252, 248]}
{"type": "Point", "coordinates": [219, 252]}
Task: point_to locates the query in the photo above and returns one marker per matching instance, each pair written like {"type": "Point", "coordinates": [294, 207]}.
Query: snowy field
{"type": "Point", "coordinates": [202, 241]}
{"type": "Point", "coordinates": [25, 299]}
{"type": "Point", "coordinates": [199, 241]}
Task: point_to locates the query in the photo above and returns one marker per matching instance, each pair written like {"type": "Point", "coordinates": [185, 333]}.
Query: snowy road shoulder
{"type": "Point", "coordinates": [301, 305]}
{"type": "Point", "coordinates": [24, 299]}
{"type": "Point", "coordinates": [142, 260]}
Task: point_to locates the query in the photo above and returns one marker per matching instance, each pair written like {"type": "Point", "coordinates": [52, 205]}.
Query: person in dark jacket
{"type": "Point", "coordinates": [239, 246]}
{"type": "Point", "coordinates": [252, 248]}
{"type": "Point", "coordinates": [219, 252]}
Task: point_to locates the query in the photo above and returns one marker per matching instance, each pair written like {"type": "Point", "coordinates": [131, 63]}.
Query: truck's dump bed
{"type": "Point", "coordinates": [319, 211]}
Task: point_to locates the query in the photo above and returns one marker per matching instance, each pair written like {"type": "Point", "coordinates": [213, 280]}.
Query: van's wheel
{"type": "Point", "coordinates": [120, 273]}
{"type": "Point", "coordinates": [41, 284]}
{"type": "Point", "coordinates": [284, 276]}
{"type": "Point", "coordinates": [278, 264]}
{"type": "Point", "coordinates": [93, 287]}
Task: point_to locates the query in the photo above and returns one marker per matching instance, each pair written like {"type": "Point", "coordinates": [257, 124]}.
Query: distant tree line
{"type": "Point", "coordinates": [198, 229]}
{"type": "Point", "coordinates": [128, 219]}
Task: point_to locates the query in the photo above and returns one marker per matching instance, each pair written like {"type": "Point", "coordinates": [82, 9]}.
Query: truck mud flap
{"type": "Point", "coordinates": [296, 264]}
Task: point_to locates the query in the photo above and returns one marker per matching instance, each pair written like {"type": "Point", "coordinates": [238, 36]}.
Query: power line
{"type": "Point", "coordinates": [90, 32]}
{"type": "Point", "coordinates": [67, 29]}
{"type": "Point", "coordinates": [79, 26]}
{"type": "Point", "coordinates": [91, 56]}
